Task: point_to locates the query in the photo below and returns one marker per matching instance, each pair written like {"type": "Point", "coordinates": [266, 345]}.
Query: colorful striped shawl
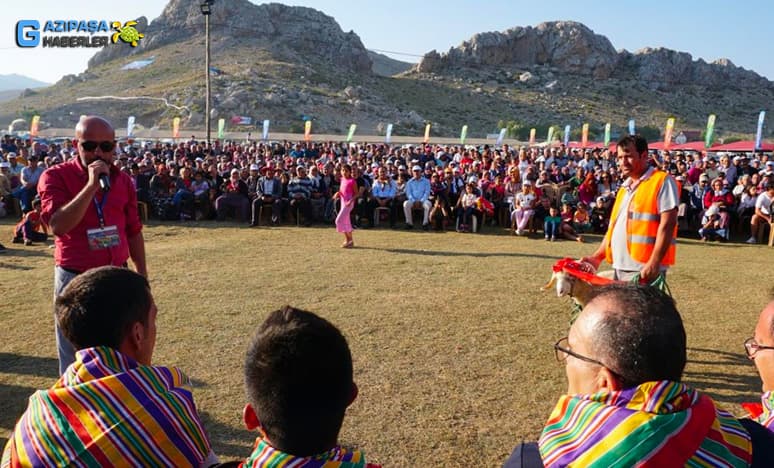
{"type": "Point", "coordinates": [655, 424]}
{"type": "Point", "coordinates": [266, 456]}
{"type": "Point", "coordinates": [767, 417]}
{"type": "Point", "coordinates": [108, 410]}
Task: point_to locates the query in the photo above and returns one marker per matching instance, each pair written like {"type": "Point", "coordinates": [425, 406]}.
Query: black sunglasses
{"type": "Point", "coordinates": [105, 146]}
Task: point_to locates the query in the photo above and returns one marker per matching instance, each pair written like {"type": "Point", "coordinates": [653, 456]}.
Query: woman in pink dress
{"type": "Point", "coordinates": [347, 192]}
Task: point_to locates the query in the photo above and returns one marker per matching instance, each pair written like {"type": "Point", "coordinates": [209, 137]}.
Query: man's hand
{"type": "Point", "coordinates": [649, 272]}
{"type": "Point", "coordinates": [592, 260]}
{"type": "Point", "coordinates": [96, 168]}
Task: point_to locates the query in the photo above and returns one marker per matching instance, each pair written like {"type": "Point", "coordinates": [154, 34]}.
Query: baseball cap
{"type": "Point", "coordinates": [416, 168]}
{"type": "Point", "coordinates": [4, 164]}
{"type": "Point", "coordinates": [704, 177]}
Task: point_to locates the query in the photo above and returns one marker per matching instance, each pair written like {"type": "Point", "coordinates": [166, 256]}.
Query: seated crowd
{"type": "Point", "coordinates": [625, 403]}
{"type": "Point", "coordinates": [448, 185]}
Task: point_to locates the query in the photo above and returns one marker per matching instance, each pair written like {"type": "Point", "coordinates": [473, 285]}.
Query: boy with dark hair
{"type": "Point", "coordinates": [111, 407]}
{"type": "Point", "coordinates": [298, 377]}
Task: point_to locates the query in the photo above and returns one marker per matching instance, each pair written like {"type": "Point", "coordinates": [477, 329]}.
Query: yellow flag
{"type": "Point", "coordinates": [308, 130]}
{"type": "Point", "coordinates": [668, 132]}
{"type": "Point", "coordinates": [427, 133]}
{"type": "Point", "coordinates": [34, 126]}
{"type": "Point", "coordinates": [176, 127]}
{"type": "Point", "coordinates": [584, 135]}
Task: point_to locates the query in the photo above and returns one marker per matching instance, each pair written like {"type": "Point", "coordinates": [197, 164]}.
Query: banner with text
{"type": "Point", "coordinates": [388, 134]}
{"type": "Point", "coordinates": [550, 137]}
{"type": "Point", "coordinates": [567, 129]}
{"type": "Point", "coordinates": [427, 134]}
{"type": "Point", "coordinates": [221, 128]}
{"type": "Point", "coordinates": [308, 130]}
{"type": "Point", "coordinates": [532, 134]}
{"type": "Point", "coordinates": [632, 129]}
{"type": "Point", "coordinates": [176, 127]}
{"type": "Point", "coordinates": [607, 134]}
{"type": "Point", "coordinates": [584, 135]}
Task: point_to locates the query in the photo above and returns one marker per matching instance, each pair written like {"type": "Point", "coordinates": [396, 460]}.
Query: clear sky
{"type": "Point", "coordinates": [741, 31]}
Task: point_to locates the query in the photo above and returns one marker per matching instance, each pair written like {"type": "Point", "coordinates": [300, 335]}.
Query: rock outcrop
{"type": "Point", "coordinates": [569, 46]}
{"type": "Point", "coordinates": [290, 33]}
{"type": "Point", "coordinates": [573, 48]}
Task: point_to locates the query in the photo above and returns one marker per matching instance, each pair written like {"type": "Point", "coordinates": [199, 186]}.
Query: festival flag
{"type": "Point", "coordinates": [265, 135]}
{"type": "Point", "coordinates": [221, 128]}
{"type": "Point", "coordinates": [129, 126]}
{"type": "Point", "coordinates": [758, 133]}
{"type": "Point", "coordinates": [176, 127]}
{"type": "Point", "coordinates": [668, 132]}
{"type": "Point", "coordinates": [463, 134]}
{"type": "Point", "coordinates": [308, 130]}
{"type": "Point", "coordinates": [532, 134]}
{"type": "Point", "coordinates": [427, 134]}
{"type": "Point", "coordinates": [351, 133]}
{"type": "Point", "coordinates": [584, 135]}
{"type": "Point", "coordinates": [567, 129]}
{"type": "Point", "coordinates": [709, 133]}
{"type": "Point", "coordinates": [607, 134]}
{"type": "Point", "coordinates": [501, 137]}
{"type": "Point", "coordinates": [550, 135]}
{"type": "Point", "coordinates": [34, 126]}
{"type": "Point", "coordinates": [632, 128]}
{"type": "Point", "coordinates": [388, 134]}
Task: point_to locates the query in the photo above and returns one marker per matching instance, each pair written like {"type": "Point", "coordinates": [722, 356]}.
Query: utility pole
{"type": "Point", "coordinates": [206, 9]}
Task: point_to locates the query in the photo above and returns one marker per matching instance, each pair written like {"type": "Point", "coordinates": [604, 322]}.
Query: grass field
{"type": "Point", "coordinates": [450, 334]}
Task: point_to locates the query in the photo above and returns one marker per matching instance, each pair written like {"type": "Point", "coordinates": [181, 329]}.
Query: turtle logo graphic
{"type": "Point", "coordinates": [127, 33]}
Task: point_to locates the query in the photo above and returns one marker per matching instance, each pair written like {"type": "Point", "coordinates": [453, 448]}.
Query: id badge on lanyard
{"type": "Point", "coordinates": [103, 237]}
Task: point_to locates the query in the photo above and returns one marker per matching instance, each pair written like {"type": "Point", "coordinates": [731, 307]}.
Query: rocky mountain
{"type": "Point", "coordinates": [573, 48]}
{"type": "Point", "coordinates": [284, 63]}
{"type": "Point", "coordinates": [385, 66]}
{"type": "Point", "coordinates": [295, 34]}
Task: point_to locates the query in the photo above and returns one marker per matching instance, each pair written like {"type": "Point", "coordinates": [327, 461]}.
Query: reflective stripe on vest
{"type": "Point", "coordinates": [642, 221]}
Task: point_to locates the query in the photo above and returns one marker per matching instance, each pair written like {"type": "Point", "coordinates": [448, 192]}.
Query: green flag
{"type": "Point", "coordinates": [607, 134]}
{"type": "Point", "coordinates": [550, 134]}
{"type": "Point", "coordinates": [351, 133]}
{"type": "Point", "coordinates": [221, 128]}
{"type": "Point", "coordinates": [708, 135]}
{"type": "Point", "coordinates": [463, 134]}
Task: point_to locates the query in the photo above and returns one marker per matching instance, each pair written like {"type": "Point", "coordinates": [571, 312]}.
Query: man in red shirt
{"type": "Point", "coordinates": [92, 226]}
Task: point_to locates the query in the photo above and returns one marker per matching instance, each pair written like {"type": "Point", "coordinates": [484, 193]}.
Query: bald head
{"type": "Point", "coordinates": [93, 123]}
{"type": "Point", "coordinates": [95, 129]}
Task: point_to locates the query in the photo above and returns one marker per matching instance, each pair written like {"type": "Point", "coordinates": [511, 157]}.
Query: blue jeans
{"type": "Point", "coordinates": [65, 349]}
{"type": "Point", "coordinates": [551, 228]}
{"type": "Point", "coordinates": [25, 197]}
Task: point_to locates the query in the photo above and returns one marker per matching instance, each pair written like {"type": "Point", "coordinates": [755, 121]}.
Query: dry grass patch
{"type": "Point", "coordinates": [450, 334]}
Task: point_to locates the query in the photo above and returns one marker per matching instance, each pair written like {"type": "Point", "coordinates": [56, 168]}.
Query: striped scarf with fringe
{"type": "Point", "coordinates": [108, 410]}
{"type": "Point", "coordinates": [654, 424]}
{"type": "Point", "coordinates": [266, 456]}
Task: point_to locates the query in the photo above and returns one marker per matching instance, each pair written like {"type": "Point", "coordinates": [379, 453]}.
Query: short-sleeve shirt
{"type": "Point", "coordinates": [59, 185]}
{"type": "Point", "coordinates": [668, 199]}
{"type": "Point", "coordinates": [763, 203]}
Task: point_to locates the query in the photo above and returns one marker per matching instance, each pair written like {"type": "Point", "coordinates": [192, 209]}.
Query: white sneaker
{"type": "Point", "coordinates": [752, 240]}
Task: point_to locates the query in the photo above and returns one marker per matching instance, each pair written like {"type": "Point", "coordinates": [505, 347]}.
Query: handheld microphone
{"type": "Point", "coordinates": [104, 182]}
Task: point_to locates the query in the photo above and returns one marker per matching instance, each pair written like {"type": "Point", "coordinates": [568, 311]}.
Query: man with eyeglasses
{"type": "Point", "coordinates": [760, 348]}
{"type": "Point", "coordinates": [93, 225]}
{"type": "Point", "coordinates": [625, 405]}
